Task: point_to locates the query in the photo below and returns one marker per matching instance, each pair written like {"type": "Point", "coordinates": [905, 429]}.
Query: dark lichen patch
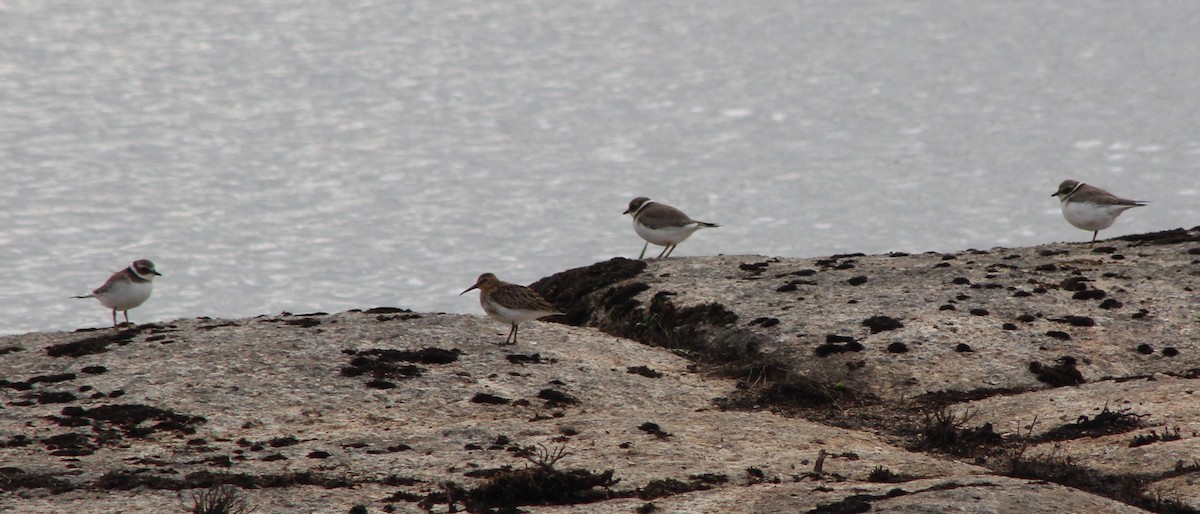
{"type": "Point", "coordinates": [1063, 373]}
{"type": "Point", "coordinates": [962, 281]}
{"type": "Point", "coordinates": [303, 322]}
{"type": "Point", "coordinates": [94, 370]}
{"type": "Point", "coordinates": [534, 485]}
{"type": "Point", "coordinates": [799, 273]}
{"type": "Point", "coordinates": [280, 442]}
{"type": "Point", "coordinates": [10, 349]}
{"type": "Point", "coordinates": [489, 399]}
{"type": "Point", "coordinates": [382, 364]}
{"type": "Point", "coordinates": [654, 430]}
{"type": "Point", "coordinates": [1052, 253]}
{"type": "Point", "coordinates": [1089, 294]}
{"type": "Point", "coordinates": [1155, 437]}
{"type": "Point", "coordinates": [886, 476]}
{"type": "Point", "coordinates": [56, 397]}
{"type": "Point", "coordinates": [16, 441]}
{"type": "Point", "coordinates": [670, 487]}
{"type": "Point", "coordinates": [855, 503]}
{"type": "Point", "coordinates": [70, 444]}
{"type": "Point", "coordinates": [1008, 326]}
{"type": "Point", "coordinates": [1075, 321]}
{"type": "Point", "coordinates": [879, 324]}
{"type": "Point", "coordinates": [897, 347]}
{"type": "Point", "coordinates": [754, 269]}
{"type": "Point", "coordinates": [1165, 237]}
{"type": "Point", "coordinates": [963, 348]}
{"type": "Point", "coordinates": [857, 281]}
{"type": "Point", "coordinates": [129, 418]}
{"type": "Point", "coordinates": [765, 322]}
{"type": "Point", "coordinates": [948, 431]}
{"type": "Point", "coordinates": [1046, 267]}
{"type": "Point", "coordinates": [520, 358]}
{"type": "Point", "coordinates": [792, 285]}
{"type": "Point", "coordinates": [1104, 249]}
{"type": "Point", "coordinates": [27, 384]}
{"type": "Point", "coordinates": [835, 344]}
{"type": "Point", "coordinates": [765, 386]}
{"type": "Point", "coordinates": [1170, 351]}
{"type": "Point", "coordinates": [1144, 349]}
{"type": "Point", "coordinates": [387, 310]}
{"type": "Point", "coordinates": [1127, 488]}
{"type": "Point", "coordinates": [1111, 303]}
{"type": "Point", "coordinates": [127, 479]}
{"type": "Point", "coordinates": [1107, 422]}
{"type": "Point", "coordinates": [1076, 283]}
{"type": "Point", "coordinates": [979, 312]}
{"type": "Point", "coordinates": [94, 344]}
{"type": "Point", "coordinates": [643, 371]}
{"type": "Point", "coordinates": [1026, 318]}
{"type": "Point", "coordinates": [666, 325]}
{"type": "Point", "coordinates": [1058, 334]}
{"type": "Point", "coordinates": [16, 479]}
{"type": "Point", "coordinates": [567, 290]}
{"type": "Point", "coordinates": [52, 379]}
{"type": "Point", "coordinates": [555, 398]}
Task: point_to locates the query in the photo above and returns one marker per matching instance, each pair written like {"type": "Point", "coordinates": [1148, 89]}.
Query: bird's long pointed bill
{"type": "Point", "coordinates": [468, 290]}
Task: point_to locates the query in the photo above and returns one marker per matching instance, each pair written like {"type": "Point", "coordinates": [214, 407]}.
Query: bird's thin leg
{"type": "Point", "coordinates": [114, 318]}
{"type": "Point", "coordinates": [644, 247]}
{"type": "Point", "coordinates": [127, 318]}
{"type": "Point", "coordinates": [670, 249]}
{"type": "Point", "coordinates": [513, 334]}
{"type": "Point", "coordinates": [663, 252]}
{"type": "Point", "coordinates": [1094, 234]}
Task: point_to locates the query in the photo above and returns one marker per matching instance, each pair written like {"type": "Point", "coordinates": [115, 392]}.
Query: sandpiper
{"type": "Point", "coordinates": [510, 303]}
{"type": "Point", "coordinates": [127, 288]}
{"type": "Point", "coordinates": [662, 224]}
{"type": "Point", "coordinates": [1091, 208]}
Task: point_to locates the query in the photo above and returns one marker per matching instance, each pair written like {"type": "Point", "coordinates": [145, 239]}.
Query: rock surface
{"type": "Point", "coordinates": [1058, 378]}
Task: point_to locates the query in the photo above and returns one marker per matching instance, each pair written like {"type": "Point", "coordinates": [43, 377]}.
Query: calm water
{"type": "Point", "coordinates": [326, 155]}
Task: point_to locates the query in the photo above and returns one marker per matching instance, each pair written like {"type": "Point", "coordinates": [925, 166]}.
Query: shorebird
{"type": "Point", "coordinates": [1091, 208]}
{"type": "Point", "coordinates": [126, 289]}
{"type": "Point", "coordinates": [662, 224]}
{"type": "Point", "coordinates": [510, 303]}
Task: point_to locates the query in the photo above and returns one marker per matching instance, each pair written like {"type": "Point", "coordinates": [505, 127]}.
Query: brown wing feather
{"type": "Point", "coordinates": [120, 276]}
{"type": "Point", "coordinates": [657, 215]}
{"type": "Point", "coordinates": [514, 296]}
{"type": "Point", "coordinates": [1102, 197]}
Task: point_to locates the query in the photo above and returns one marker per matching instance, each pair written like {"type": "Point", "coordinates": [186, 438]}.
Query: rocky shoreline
{"type": "Point", "coordinates": [1056, 378]}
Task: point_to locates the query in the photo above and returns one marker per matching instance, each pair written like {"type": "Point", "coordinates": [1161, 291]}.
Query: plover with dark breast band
{"type": "Point", "coordinates": [662, 224]}
{"type": "Point", "coordinates": [1091, 208]}
{"type": "Point", "coordinates": [127, 288]}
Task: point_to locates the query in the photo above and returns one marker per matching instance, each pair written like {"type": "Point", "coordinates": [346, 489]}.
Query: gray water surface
{"type": "Point", "coordinates": [326, 155]}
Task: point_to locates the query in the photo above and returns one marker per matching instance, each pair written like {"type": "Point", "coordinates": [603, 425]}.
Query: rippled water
{"type": "Point", "coordinates": [327, 155]}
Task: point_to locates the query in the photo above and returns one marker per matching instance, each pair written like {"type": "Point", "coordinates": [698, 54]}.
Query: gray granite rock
{"type": "Point", "coordinates": [701, 384]}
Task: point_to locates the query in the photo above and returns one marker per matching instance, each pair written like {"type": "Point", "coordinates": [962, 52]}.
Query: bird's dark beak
{"type": "Point", "coordinates": [468, 289]}
{"type": "Point", "coordinates": [626, 211]}
{"type": "Point", "coordinates": [157, 273]}
{"type": "Point", "coordinates": [1055, 193]}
